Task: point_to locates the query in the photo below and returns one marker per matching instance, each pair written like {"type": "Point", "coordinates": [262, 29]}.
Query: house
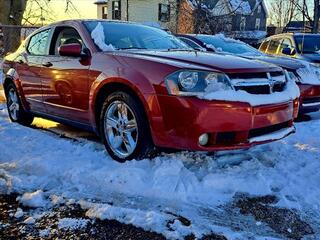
{"type": "Point", "coordinates": [157, 13]}
{"type": "Point", "coordinates": [242, 19]}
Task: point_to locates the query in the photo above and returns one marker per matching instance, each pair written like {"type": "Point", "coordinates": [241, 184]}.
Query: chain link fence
{"type": "Point", "coordinates": [11, 36]}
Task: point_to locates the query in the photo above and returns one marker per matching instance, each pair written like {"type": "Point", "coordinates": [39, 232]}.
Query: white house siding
{"type": "Point", "coordinates": [142, 11]}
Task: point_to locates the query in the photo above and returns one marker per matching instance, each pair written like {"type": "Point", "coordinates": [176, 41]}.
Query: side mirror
{"type": "Point", "coordinates": [70, 50]}
{"type": "Point", "coordinates": [288, 51]}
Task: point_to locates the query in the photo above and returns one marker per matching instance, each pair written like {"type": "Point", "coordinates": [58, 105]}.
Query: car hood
{"type": "Point", "coordinates": [194, 59]}
{"type": "Point", "coordinates": [312, 57]}
{"type": "Point", "coordinates": [286, 63]}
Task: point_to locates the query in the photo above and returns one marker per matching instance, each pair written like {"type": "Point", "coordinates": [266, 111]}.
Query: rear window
{"type": "Point", "coordinates": [273, 46]}
{"type": "Point", "coordinates": [264, 46]}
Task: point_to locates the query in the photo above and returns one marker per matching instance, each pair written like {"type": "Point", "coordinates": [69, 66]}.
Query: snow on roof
{"type": "Point", "coordinates": [240, 6]}
{"type": "Point", "coordinates": [101, 2]}
{"type": "Point", "coordinates": [223, 7]}
{"type": "Point", "coordinates": [256, 34]}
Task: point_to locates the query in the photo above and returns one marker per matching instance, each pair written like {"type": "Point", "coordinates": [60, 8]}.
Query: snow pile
{"type": "Point", "coordinates": [194, 185]}
{"type": "Point", "coordinates": [290, 93]}
{"type": "Point", "coordinates": [19, 213]}
{"type": "Point", "coordinates": [35, 199]}
{"type": "Point", "coordinates": [98, 37]}
{"type": "Point", "coordinates": [29, 221]}
{"type": "Point", "coordinates": [72, 223]}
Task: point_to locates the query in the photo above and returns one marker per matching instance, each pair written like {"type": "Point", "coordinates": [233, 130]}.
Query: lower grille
{"type": "Point", "coordinates": [266, 130]}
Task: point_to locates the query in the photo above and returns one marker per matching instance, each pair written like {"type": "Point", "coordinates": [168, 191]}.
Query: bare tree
{"type": "Point", "coordinates": [198, 16]}
{"type": "Point", "coordinates": [26, 12]}
{"type": "Point", "coordinates": [284, 11]}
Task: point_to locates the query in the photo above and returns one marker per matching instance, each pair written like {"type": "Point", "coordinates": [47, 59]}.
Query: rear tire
{"type": "Point", "coordinates": [15, 108]}
{"type": "Point", "coordinates": [124, 128]}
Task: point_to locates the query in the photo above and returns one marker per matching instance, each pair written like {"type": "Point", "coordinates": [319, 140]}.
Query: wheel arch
{"type": "Point", "coordinates": [107, 88]}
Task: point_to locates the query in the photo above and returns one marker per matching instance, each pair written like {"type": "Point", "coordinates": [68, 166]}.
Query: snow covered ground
{"type": "Point", "coordinates": [51, 163]}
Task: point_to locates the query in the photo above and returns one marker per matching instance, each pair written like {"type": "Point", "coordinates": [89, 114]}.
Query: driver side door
{"type": "Point", "coordinates": [65, 79]}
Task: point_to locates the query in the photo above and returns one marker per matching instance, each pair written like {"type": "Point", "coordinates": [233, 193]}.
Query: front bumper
{"type": "Point", "coordinates": [230, 125]}
{"type": "Point", "coordinates": [310, 98]}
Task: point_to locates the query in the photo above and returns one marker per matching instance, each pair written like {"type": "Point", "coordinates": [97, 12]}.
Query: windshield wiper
{"type": "Point", "coordinates": [133, 48]}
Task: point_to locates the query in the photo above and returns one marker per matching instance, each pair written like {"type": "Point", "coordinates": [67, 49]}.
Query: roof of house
{"type": "Point", "coordinates": [223, 7]}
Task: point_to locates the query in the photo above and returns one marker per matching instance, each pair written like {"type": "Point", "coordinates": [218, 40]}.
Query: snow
{"type": "Point", "coordinates": [309, 74]}
{"type": "Point", "coordinates": [35, 199]}
{"type": "Point", "coordinates": [291, 92]}
{"type": "Point", "coordinates": [98, 37]}
{"type": "Point", "coordinates": [72, 223]}
{"type": "Point", "coordinates": [144, 193]}
{"type": "Point", "coordinates": [44, 233]}
{"type": "Point", "coordinates": [29, 220]}
{"type": "Point", "coordinates": [240, 6]}
{"type": "Point", "coordinates": [19, 213]}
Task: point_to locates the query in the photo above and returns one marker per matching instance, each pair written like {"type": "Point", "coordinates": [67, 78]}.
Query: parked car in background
{"type": "Point", "coordinates": [140, 87]}
{"type": "Point", "coordinates": [306, 76]}
{"type": "Point", "coordinates": [305, 46]}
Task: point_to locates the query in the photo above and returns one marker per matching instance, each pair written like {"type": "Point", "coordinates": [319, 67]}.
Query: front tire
{"type": "Point", "coordinates": [15, 108]}
{"type": "Point", "coordinates": [124, 128]}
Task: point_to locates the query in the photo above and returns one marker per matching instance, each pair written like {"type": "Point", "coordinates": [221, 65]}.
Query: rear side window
{"type": "Point", "coordinates": [38, 43]}
{"type": "Point", "coordinates": [273, 46]}
{"type": "Point", "coordinates": [264, 46]}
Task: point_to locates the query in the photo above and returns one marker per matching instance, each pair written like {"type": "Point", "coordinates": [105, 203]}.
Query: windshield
{"type": "Point", "coordinates": [221, 44]}
{"type": "Point", "coordinates": [119, 36]}
{"type": "Point", "coordinates": [308, 43]}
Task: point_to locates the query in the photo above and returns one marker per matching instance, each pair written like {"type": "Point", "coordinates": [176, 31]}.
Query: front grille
{"type": "Point", "coordinates": [259, 83]}
{"type": "Point", "coordinates": [266, 130]}
{"type": "Point", "coordinates": [311, 100]}
{"type": "Point", "coordinates": [263, 89]}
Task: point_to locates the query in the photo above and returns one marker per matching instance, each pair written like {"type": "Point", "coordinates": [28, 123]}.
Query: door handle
{"type": "Point", "coordinates": [47, 64]}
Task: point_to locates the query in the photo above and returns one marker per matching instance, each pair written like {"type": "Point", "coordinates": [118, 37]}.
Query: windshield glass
{"type": "Point", "coordinates": [221, 44]}
{"type": "Point", "coordinates": [308, 43]}
{"type": "Point", "coordinates": [119, 36]}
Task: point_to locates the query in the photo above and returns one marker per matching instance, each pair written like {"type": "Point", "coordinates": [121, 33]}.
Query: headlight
{"type": "Point", "coordinates": [192, 83]}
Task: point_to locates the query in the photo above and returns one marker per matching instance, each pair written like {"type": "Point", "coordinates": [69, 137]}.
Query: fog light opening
{"type": "Point", "coordinates": [203, 139]}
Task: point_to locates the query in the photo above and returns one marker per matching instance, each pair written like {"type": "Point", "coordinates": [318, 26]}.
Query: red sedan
{"type": "Point", "coordinates": [139, 88]}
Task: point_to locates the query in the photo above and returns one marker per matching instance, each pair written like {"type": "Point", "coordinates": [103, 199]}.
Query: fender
{"type": "Point", "coordinates": [148, 99]}
{"type": "Point", "coordinates": [13, 76]}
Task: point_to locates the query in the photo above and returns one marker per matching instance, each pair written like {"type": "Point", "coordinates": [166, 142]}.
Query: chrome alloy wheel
{"type": "Point", "coordinates": [13, 104]}
{"type": "Point", "coordinates": [120, 129]}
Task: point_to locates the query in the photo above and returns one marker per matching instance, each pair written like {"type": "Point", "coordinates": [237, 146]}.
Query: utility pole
{"type": "Point", "coordinates": [316, 16]}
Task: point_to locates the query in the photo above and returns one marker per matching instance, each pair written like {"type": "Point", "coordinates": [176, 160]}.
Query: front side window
{"type": "Point", "coordinates": [38, 43]}
{"type": "Point", "coordinates": [308, 43]}
{"type": "Point", "coordinates": [286, 43]}
{"type": "Point", "coordinates": [116, 10]}
{"type": "Point", "coordinates": [273, 46]}
{"type": "Point", "coordinates": [164, 12]}
{"type": "Point", "coordinates": [64, 35]}
{"type": "Point", "coordinates": [257, 27]}
{"type": "Point", "coordinates": [120, 36]}
{"type": "Point", "coordinates": [242, 23]}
